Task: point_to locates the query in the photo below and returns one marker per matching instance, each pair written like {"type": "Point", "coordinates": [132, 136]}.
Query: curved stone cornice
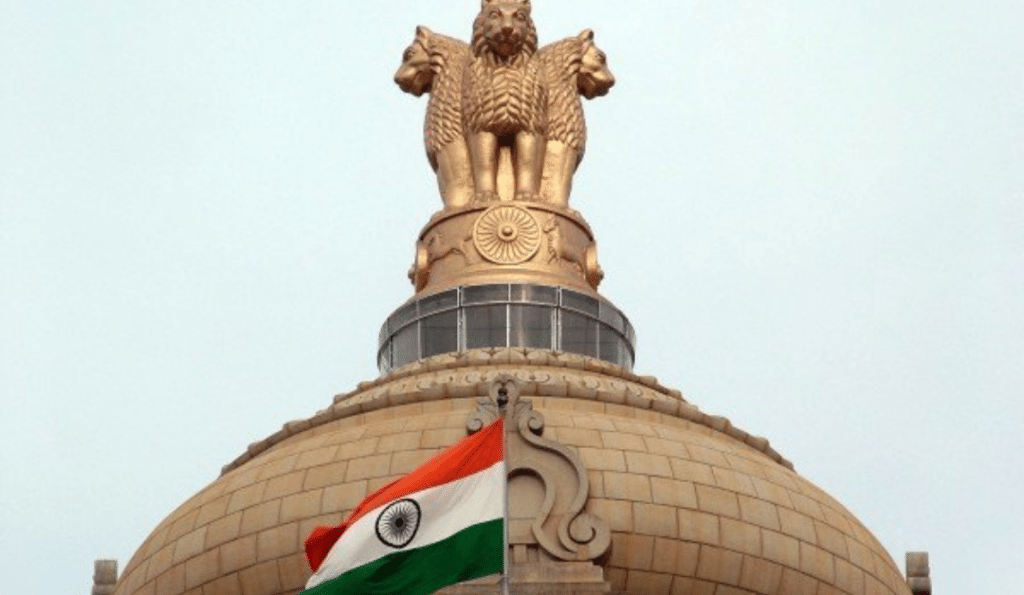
{"type": "Point", "coordinates": [539, 372]}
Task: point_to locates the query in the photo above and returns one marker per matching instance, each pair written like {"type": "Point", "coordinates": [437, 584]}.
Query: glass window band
{"type": "Point", "coordinates": [506, 315]}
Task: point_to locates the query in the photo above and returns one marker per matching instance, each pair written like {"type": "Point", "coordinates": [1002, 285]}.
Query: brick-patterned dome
{"type": "Point", "coordinates": [694, 505]}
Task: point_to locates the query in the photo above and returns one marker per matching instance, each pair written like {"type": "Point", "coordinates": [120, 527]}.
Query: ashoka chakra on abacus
{"type": "Point", "coordinates": [506, 234]}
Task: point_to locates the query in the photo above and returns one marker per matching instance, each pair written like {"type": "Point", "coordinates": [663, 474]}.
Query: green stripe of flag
{"type": "Point", "coordinates": [474, 552]}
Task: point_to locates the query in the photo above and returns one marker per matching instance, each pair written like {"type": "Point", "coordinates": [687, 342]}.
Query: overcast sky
{"type": "Point", "coordinates": [810, 210]}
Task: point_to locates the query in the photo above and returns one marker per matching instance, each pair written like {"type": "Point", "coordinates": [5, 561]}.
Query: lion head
{"type": "Point", "coordinates": [594, 79]}
{"type": "Point", "coordinates": [504, 29]}
{"type": "Point", "coordinates": [415, 75]}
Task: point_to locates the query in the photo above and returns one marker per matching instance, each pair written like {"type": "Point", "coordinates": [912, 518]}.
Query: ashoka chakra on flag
{"type": "Point", "coordinates": [397, 523]}
{"type": "Point", "coordinates": [442, 524]}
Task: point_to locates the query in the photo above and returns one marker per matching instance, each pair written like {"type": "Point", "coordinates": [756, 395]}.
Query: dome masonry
{"type": "Point", "coordinates": [617, 484]}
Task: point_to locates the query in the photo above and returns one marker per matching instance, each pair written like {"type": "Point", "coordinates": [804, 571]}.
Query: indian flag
{"type": "Point", "coordinates": [442, 524]}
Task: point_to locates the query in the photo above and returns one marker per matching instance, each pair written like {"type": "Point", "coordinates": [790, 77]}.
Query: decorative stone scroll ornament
{"type": "Point", "coordinates": [505, 118]}
{"type": "Point", "coordinates": [548, 485]}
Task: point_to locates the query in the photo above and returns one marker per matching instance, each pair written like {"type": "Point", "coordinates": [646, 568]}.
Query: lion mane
{"type": "Point", "coordinates": [562, 60]}
{"type": "Point", "coordinates": [573, 68]}
{"type": "Point", "coordinates": [434, 64]}
{"type": "Point", "coordinates": [443, 123]}
{"type": "Point", "coordinates": [567, 78]}
{"type": "Point", "coordinates": [503, 95]}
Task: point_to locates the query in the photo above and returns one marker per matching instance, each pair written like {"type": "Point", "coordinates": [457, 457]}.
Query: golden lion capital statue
{"type": "Point", "coordinates": [505, 118]}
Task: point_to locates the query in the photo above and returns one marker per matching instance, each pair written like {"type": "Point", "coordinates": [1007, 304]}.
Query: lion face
{"type": "Point", "coordinates": [505, 27]}
{"type": "Point", "coordinates": [415, 75]}
{"type": "Point", "coordinates": [594, 78]}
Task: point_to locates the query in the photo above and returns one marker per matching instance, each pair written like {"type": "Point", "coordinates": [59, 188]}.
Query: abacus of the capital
{"type": "Point", "coordinates": [505, 133]}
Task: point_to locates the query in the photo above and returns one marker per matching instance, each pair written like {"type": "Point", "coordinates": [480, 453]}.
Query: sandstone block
{"type": "Point", "coordinates": [316, 457]}
{"type": "Point", "coordinates": [781, 549]}
{"type": "Point", "coordinates": [693, 472]}
{"type": "Point", "coordinates": [600, 459]}
{"type": "Point", "coordinates": [635, 552]}
{"type": "Point", "coordinates": [343, 497]}
{"type": "Point", "coordinates": [681, 494]}
{"type": "Point", "coordinates": [654, 519]}
{"type": "Point", "coordinates": [189, 545]}
{"type": "Point", "coordinates": [817, 563]}
{"type": "Point", "coordinates": [284, 485]}
{"type": "Point", "coordinates": [171, 582]}
{"type": "Point", "coordinates": [626, 486]}
{"type": "Point", "coordinates": [301, 506]}
{"type": "Point", "coordinates": [279, 540]}
{"type": "Point", "coordinates": [201, 569]}
{"type": "Point", "coordinates": [759, 512]}
{"type": "Point", "coordinates": [719, 565]}
{"type": "Point", "coordinates": [617, 513]}
{"type": "Point", "coordinates": [238, 554]}
{"type": "Point", "coordinates": [639, 581]}
{"type": "Point", "coordinates": [648, 464]}
{"type": "Point", "coordinates": [223, 530]}
{"type": "Point", "coordinates": [699, 527]}
{"type": "Point", "coordinates": [674, 556]}
{"type": "Point", "coordinates": [718, 501]}
{"type": "Point", "coordinates": [623, 441]}
{"type": "Point", "coordinates": [357, 469]}
{"type": "Point", "coordinates": [740, 536]}
{"type": "Point", "coordinates": [760, 576]}
{"type": "Point", "coordinates": [260, 517]}
{"type": "Point", "coordinates": [797, 525]}
{"type": "Point", "coordinates": [261, 579]}
{"type": "Point", "coordinates": [247, 496]}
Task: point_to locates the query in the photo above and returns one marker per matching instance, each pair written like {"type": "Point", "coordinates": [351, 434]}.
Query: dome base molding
{"type": "Point", "coordinates": [542, 578]}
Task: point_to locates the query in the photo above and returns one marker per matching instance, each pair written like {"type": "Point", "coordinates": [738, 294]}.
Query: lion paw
{"type": "Point", "coordinates": [485, 196]}
{"type": "Point", "coordinates": [527, 196]}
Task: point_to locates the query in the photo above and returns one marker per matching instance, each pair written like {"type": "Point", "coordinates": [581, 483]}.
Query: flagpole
{"type": "Point", "coordinates": [504, 553]}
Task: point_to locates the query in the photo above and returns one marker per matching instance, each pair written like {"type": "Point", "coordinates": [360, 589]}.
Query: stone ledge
{"type": "Point", "coordinates": [540, 372]}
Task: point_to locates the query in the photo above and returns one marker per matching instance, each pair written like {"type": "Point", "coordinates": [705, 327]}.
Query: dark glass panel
{"type": "Point", "coordinates": [537, 294]}
{"type": "Point", "coordinates": [486, 326]}
{"type": "Point", "coordinates": [436, 303]}
{"type": "Point", "coordinates": [612, 317]}
{"type": "Point", "coordinates": [579, 334]}
{"type": "Point", "coordinates": [611, 345]}
{"type": "Point", "coordinates": [384, 359]}
{"type": "Point", "coordinates": [406, 346]}
{"type": "Point", "coordinates": [439, 333]}
{"type": "Point", "coordinates": [579, 302]}
{"type": "Point", "coordinates": [630, 334]}
{"type": "Point", "coordinates": [402, 316]}
{"type": "Point", "coordinates": [530, 326]}
{"type": "Point", "coordinates": [482, 294]}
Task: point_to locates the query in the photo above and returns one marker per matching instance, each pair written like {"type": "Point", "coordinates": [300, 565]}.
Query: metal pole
{"type": "Point", "coordinates": [504, 458]}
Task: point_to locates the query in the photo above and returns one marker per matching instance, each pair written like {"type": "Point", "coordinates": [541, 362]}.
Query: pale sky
{"type": "Point", "coordinates": [810, 210]}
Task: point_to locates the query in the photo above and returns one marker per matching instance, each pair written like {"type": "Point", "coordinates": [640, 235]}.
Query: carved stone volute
{"type": "Point", "coordinates": [548, 484]}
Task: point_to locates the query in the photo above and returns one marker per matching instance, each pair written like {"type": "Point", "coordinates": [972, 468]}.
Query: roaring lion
{"type": "Point", "coordinates": [573, 67]}
{"type": "Point", "coordinates": [503, 99]}
{"type": "Point", "coordinates": [434, 64]}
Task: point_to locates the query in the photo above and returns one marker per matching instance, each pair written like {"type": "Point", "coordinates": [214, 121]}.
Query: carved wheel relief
{"type": "Point", "coordinates": [506, 234]}
{"type": "Point", "coordinates": [548, 477]}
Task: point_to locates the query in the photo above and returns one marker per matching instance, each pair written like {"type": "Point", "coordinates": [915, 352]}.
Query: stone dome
{"type": "Point", "coordinates": [694, 505]}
